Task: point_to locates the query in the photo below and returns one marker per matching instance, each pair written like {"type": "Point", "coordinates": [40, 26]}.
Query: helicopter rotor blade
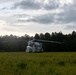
{"type": "Point", "coordinates": [14, 41]}
{"type": "Point", "coordinates": [48, 41]}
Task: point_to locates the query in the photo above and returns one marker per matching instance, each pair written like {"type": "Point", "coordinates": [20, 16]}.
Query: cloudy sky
{"type": "Point", "coordinates": [19, 17]}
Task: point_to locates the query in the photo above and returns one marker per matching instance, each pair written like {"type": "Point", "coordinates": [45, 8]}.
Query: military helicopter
{"type": "Point", "coordinates": [36, 46]}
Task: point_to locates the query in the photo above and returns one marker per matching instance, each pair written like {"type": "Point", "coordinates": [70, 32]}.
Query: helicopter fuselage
{"type": "Point", "coordinates": [34, 47]}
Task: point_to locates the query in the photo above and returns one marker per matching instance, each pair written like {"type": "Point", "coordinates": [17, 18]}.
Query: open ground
{"type": "Point", "coordinates": [50, 63]}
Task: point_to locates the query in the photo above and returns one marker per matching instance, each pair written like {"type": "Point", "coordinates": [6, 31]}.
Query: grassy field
{"type": "Point", "coordinates": [21, 63]}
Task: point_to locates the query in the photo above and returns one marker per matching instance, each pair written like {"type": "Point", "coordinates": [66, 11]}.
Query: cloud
{"type": "Point", "coordinates": [6, 5]}
{"type": "Point", "coordinates": [9, 29]}
{"type": "Point", "coordinates": [72, 27]}
{"type": "Point", "coordinates": [21, 15]}
{"type": "Point", "coordinates": [5, 1]}
{"type": "Point", "coordinates": [42, 19]}
{"type": "Point", "coordinates": [28, 4]}
{"type": "Point", "coordinates": [36, 4]}
{"type": "Point", "coordinates": [4, 8]}
{"type": "Point", "coordinates": [69, 13]}
{"type": "Point", "coordinates": [51, 4]}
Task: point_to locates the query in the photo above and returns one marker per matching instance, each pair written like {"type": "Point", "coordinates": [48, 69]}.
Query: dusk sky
{"type": "Point", "coordinates": [20, 17]}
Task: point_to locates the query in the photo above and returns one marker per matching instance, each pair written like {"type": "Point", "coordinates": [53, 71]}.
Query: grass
{"type": "Point", "coordinates": [53, 63]}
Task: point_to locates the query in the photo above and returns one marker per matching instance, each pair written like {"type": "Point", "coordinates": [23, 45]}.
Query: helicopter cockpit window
{"type": "Point", "coordinates": [38, 46]}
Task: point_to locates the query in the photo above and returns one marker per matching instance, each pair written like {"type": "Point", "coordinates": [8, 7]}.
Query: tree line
{"type": "Point", "coordinates": [13, 43]}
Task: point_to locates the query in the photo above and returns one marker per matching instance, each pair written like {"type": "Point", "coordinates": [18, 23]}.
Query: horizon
{"type": "Point", "coordinates": [36, 33]}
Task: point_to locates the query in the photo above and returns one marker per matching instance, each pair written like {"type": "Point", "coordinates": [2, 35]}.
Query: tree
{"type": "Point", "coordinates": [37, 36]}
{"type": "Point", "coordinates": [42, 37]}
{"type": "Point", "coordinates": [47, 36]}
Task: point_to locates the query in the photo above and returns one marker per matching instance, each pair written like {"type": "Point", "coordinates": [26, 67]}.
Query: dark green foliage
{"type": "Point", "coordinates": [74, 61]}
{"type": "Point", "coordinates": [47, 36]}
{"type": "Point", "coordinates": [43, 63]}
{"type": "Point", "coordinates": [37, 36]}
{"type": "Point", "coordinates": [68, 42]}
{"type": "Point", "coordinates": [47, 63]}
{"type": "Point", "coordinates": [21, 65]}
{"type": "Point", "coordinates": [14, 43]}
{"type": "Point", "coordinates": [57, 74]}
{"type": "Point", "coordinates": [61, 63]}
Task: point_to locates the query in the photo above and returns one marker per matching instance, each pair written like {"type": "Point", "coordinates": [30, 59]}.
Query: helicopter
{"type": "Point", "coordinates": [36, 45]}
